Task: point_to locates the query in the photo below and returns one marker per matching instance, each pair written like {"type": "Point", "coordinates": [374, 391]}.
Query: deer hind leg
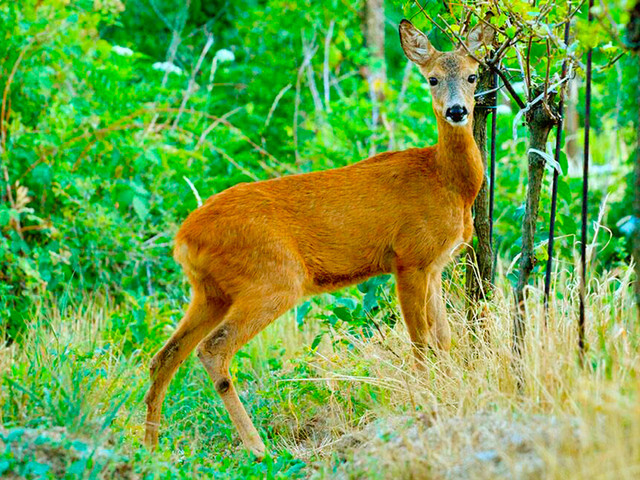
{"type": "Point", "coordinates": [247, 316]}
{"type": "Point", "coordinates": [412, 288]}
{"type": "Point", "coordinates": [202, 315]}
{"type": "Point", "coordinates": [436, 312]}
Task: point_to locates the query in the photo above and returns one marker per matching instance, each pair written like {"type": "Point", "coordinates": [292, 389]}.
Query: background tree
{"type": "Point", "coordinates": [375, 38]}
{"type": "Point", "coordinates": [479, 266]}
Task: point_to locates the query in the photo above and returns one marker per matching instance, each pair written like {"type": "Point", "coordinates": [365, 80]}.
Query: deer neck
{"type": "Point", "coordinates": [459, 158]}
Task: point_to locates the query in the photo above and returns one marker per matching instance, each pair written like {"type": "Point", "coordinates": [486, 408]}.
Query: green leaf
{"type": "Point", "coordinates": [301, 312]}
{"type": "Point", "coordinates": [370, 300]}
{"type": "Point", "coordinates": [317, 340]}
{"type": "Point", "coordinates": [5, 216]}
{"type": "Point", "coordinates": [140, 208]}
{"type": "Point", "coordinates": [348, 303]}
{"type": "Point", "coordinates": [564, 191]}
{"type": "Point", "coordinates": [342, 313]}
{"type": "Point", "coordinates": [42, 174]}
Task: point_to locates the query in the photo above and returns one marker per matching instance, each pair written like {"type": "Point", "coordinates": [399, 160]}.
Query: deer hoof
{"type": "Point", "coordinates": [258, 450]}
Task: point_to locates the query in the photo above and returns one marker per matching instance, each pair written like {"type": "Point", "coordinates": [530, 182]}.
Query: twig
{"type": "Point", "coordinates": [308, 55]}
{"type": "Point", "coordinates": [194, 190]}
{"type": "Point", "coordinates": [325, 72]}
{"type": "Point", "coordinates": [5, 95]}
{"type": "Point", "coordinates": [508, 86]}
{"type": "Point", "coordinates": [431, 20]}
{"type": "Point", "coordinates": [172, 52]}
{"type": "Point", "coordinates": [611, 62]}
{"type": "Point", "coordinates": [389, 128]}
{"type": "Point", "coordinates": [274, 105]}
{"type": "Point", "coordinates": [315, 95]}
{"type": "Point", "coordinates": [497, 56]}
{"type": "Point", "coordinates": [336, 81]}
{"type": "Point", "coordinates": [192, 80]}
{"type": "Point", "coordinates": [171, 55]}
{"type": "Point", "coordinates": [462, 43]}
{"type": "Point", "coordinates": [527, 66]}
{"type": "Point", "coordinates": [248, 173]}
{"type": "Point", "coordinates": [149, 285]}
{"type": "Point", "coordinates": [116, 126]}
{"type": "Point", "coordinates": [215, 123]}
{"type": "Point", "coordinates": [16, 220]}
{"type": "Point", "coordinates": [375, 110]}
{"type": "Point", "coordinates": [546, 81]}
{"type": "Point", "coordinates": [405, 84]}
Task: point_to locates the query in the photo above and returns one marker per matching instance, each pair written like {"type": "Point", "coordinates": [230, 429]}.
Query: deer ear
{"type": "Point", "coordinates": [481, 35]}
{"type": "Point", "coordinates": [415, 44]}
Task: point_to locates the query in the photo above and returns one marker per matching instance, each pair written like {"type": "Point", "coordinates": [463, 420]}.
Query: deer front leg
{"type": "Point", "coordinates": [436, 312]}
{"type": "Point", "coordinates": [412, 286]}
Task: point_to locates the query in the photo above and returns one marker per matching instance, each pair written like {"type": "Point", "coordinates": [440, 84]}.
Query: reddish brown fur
{"type": "Point", "coordinates": [254, 250]}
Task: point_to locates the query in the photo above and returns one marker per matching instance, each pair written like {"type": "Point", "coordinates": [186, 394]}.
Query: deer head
{"type": "Point", "coordinates": [452, 75]}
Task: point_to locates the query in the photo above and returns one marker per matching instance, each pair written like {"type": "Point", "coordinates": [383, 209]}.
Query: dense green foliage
{"type": "Point", "coordinates": [97, 156]}
{"type": "Point", "coordinates": [103, 155]}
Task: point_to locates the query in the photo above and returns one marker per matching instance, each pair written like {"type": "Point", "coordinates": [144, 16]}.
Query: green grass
{"type": "Point", "coordinates": [355, 407]}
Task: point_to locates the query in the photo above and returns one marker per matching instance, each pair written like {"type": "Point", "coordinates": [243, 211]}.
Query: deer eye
{"type": "Point", "coordinates": [433, 81]}
{"type": "Point", "coordinates": [472, 79]}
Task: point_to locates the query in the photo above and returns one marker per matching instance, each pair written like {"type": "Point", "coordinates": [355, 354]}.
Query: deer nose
{"type": "Point", "coordinates": [457, 113]}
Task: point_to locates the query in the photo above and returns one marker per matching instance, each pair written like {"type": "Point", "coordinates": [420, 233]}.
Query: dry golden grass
{"type": "Point", "coordinates": [356, 407]}
{"type": "Point", "coordinates": [466, 417]}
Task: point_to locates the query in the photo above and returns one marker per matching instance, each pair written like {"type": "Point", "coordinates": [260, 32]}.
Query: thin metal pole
{"type": "Point", "coordinates": [585, 197]}
{"type": "Point", "coordinates": [492, 171]}
{"type": "Point", "coordinates": [554, 185]}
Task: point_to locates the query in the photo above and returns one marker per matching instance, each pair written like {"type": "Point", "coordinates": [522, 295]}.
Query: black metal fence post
{"type": "Point", "coordinates": [492, 171]}
{"type": "Point", "coordinates": [585, 197]}
{"type": "Point", "coordinates": [554, 186]}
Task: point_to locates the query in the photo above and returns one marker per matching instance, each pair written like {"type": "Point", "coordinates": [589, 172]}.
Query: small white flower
{"type": "Point", "coordinates": [223, 56]}
{"type": "Point", "coordinates": [122, 51]}
{"type": "Point", "coordinates": [167, 67]}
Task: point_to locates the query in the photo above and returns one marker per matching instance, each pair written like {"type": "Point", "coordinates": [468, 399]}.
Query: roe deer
{"type": "Point", "coordinates": [252, 251]}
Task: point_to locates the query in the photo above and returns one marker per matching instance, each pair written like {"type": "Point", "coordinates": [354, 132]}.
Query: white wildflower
{"type": "Point", "coordinates": [223, 56]}
{"type": "Point", "coordinates": [167, 67]}
{"type": "Point", "coordinates": [122, 51]}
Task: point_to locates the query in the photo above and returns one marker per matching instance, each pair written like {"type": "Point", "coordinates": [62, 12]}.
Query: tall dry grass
{"type": "Point", "coordinates": [469, 416]}
{"type": "Point", "coordinates": [356, 407]}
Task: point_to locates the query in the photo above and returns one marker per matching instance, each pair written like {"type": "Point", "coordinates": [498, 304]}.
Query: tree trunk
{"type": "Point", "coordinates": [479, 262]}
{"type": "Point", "coordinates": [375, 42]}
{"type": "Point", "coordinates": [539, 122]}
